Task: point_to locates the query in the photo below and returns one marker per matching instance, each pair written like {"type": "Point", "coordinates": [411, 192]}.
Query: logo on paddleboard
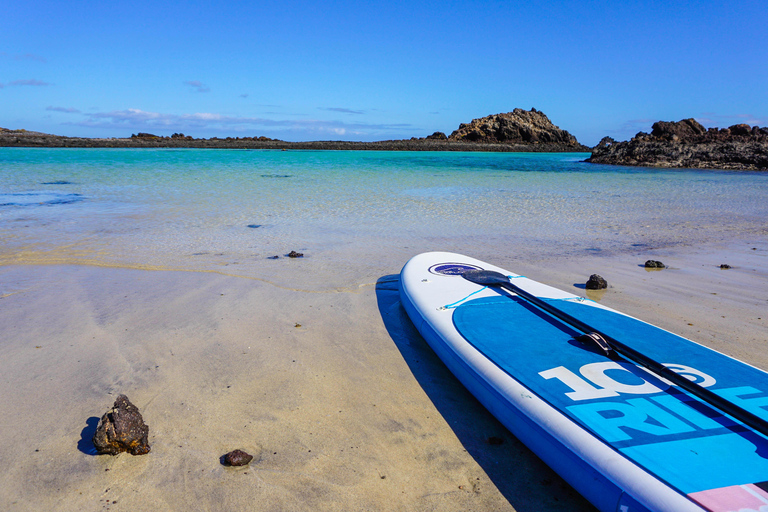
{"type": "Point", "coordinates": [452, 269]}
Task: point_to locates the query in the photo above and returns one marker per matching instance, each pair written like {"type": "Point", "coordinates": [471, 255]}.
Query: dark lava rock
{"type": "Point", "coordinates": [437, 136]}
{"type": "Point", "coordinates": [654, 264]}
{"type": "Point", "coordinates": [273, 257]}
{"type": "Point", "coordinates": [122, 429]}
{"type": "Point", "coordinates": [725, 266]}
{"type": "Point", "coordinates": [681, 130]}
{"type": "Point", "coordinates": [294, 254]}
{"type": "Point", "coordinates": [237, 458]}
{"type": "Point", "coordinates": [688, 144]}
{"type": "Point", "coordinates": [519, 126]}
{"type": "Point", "coordinates": [596, 282]}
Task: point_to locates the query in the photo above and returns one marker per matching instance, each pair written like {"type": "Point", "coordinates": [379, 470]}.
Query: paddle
{"type": "Point", "coordinates": [609, 345]}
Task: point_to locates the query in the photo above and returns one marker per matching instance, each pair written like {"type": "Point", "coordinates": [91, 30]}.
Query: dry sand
{"type": "Point", "coordinates": [341, 401]}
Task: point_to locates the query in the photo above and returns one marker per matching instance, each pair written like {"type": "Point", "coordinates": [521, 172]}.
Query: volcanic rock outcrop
{"type": "Point", "coordinates": [688, 144]}
{"type": "Point", "coordinates": [516, 127]}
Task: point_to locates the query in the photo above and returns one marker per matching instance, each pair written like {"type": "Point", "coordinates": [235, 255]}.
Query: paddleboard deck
{"type": "Point", "coordinates": [625, 439]}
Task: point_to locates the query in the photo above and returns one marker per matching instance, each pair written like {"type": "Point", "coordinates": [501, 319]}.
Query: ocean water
{"type": "Point", "coordinates": [353, 214]}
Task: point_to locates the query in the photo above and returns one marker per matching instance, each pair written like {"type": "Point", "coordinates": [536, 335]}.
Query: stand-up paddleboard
{"type": "Point", "coordinates": [626, 439]}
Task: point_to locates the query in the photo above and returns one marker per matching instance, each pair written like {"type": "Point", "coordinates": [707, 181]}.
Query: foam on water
{"type": "Point", "coordinates": [351, 213]}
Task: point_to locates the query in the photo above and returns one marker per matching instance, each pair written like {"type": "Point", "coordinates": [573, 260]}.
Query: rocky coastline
{"type": "Point", "coordinates": [681, 144]}
{"type": "Point", "coordinates": [517, 131]}
{"type": "Point", "coordinates": [687, 144]}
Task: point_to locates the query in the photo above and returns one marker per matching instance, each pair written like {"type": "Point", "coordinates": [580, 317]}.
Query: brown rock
{"type": "Point", "coordinates": [517, 127]}
{"type": "Point", "coordinates": [682, 130]}
{"type": "Point", "coordinates": [237, 458]}
{"type": "Point", "coordinates": [122, 429]}
{"type": "Point", "coordinates": [596, 282]}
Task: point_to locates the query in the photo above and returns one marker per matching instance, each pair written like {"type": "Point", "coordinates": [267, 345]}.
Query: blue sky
{"type": "Point", "coordinates": [358, 70]}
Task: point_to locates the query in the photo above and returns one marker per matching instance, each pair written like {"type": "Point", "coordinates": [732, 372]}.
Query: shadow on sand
{"type": "Point", "coordinates": [523, 479]}
{"type": "Point", "coordinates": [85, 444]}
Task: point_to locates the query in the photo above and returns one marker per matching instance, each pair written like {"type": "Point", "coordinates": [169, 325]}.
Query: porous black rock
{"type": "Point", "coordinates": [237, 458]}
{"type": "Point", "coordinates": [596, 282]}
{"type": "Point", "coordinates": [122, 429]}
{"type": "Point", "coordinates": [654, 264]}
{"type": "Point", "coordinates": [294, 254]}
{"type": "Point", "coordinates": [687, 143]}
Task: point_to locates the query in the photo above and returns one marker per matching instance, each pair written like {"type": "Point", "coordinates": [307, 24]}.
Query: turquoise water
{"type": "Point", "coordinates": [351, 213]}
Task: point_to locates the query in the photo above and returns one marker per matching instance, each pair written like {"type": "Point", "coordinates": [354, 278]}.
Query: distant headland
{"type": "Point", "coordinates": [682, 144]}
{"type": "Point", "coordinates": [516, 131]}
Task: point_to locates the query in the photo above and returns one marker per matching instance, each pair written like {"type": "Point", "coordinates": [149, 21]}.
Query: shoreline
{"type": "Point", "coordinates": [26, 139]}
{"type": "Point", "coordinates": [347, 406]}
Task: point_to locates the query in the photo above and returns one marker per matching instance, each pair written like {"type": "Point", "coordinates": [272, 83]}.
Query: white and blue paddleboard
{"type": "Point", "coordinates": [625, 439]}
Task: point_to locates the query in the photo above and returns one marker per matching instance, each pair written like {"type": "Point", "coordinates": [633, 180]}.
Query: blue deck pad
{"type": "Point", "coordinates": [673, 435]}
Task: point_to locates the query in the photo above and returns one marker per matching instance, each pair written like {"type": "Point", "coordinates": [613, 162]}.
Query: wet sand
{"type": "Point", "coordinates": [341, 401]}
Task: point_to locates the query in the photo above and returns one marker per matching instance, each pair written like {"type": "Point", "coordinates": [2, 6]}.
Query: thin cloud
{"type": "Point", "coordinates": [198, 85]}
{"type": "Point", "coordinates": [712, 119]}
{"type": "Point", "coordinates": [32, 82]}
{"type": "Point", "coordinates": [23, 56]}
{"type": "Point", "coordinates": [342, 110]}
{"type": "Point", "coordinates": [29, 56]}
{"type": "Point", "coordinates": [63, 109]}
{"type": "Point", "coordinates": [638, 124]}
{"type": "Point", "coordinates": [143, 120]}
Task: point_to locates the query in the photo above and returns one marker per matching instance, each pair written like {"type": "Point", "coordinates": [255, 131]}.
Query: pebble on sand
{"type": "Point", "coordinates": [237, 458]}
{"type": "Point", "coordinates": [596, 282]}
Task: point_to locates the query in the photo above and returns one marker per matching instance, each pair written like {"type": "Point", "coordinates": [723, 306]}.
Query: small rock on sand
{"type": "Point", "coordinates": [596, 282]}
{"type": "Point", "coordinates": [237, 458]}
{"type": "Point", "coordinates": [122, 429]}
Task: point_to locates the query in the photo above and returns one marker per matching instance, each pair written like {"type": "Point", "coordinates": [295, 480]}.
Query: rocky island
{"type": "Point", "coordinates": [517, 127]}
{"type": "Point", "coordinates": [688, 144]}
{"type": "Point", "coordinates": [516, 131]}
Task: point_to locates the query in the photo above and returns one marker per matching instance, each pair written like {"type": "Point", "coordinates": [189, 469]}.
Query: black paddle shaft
{"type": "Point", "coordinates": [496, 279]}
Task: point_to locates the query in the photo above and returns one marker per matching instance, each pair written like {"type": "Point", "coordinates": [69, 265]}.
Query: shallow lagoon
{"type": "Point", "coordinates": [352, 213]}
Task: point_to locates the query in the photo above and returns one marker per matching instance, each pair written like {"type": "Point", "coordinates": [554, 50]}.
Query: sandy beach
{"type": "Point", "coordinates": [343, 404]}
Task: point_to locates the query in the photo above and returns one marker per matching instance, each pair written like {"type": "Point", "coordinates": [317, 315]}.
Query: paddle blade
{"type": "Point", "coordinates": [485, 277]}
